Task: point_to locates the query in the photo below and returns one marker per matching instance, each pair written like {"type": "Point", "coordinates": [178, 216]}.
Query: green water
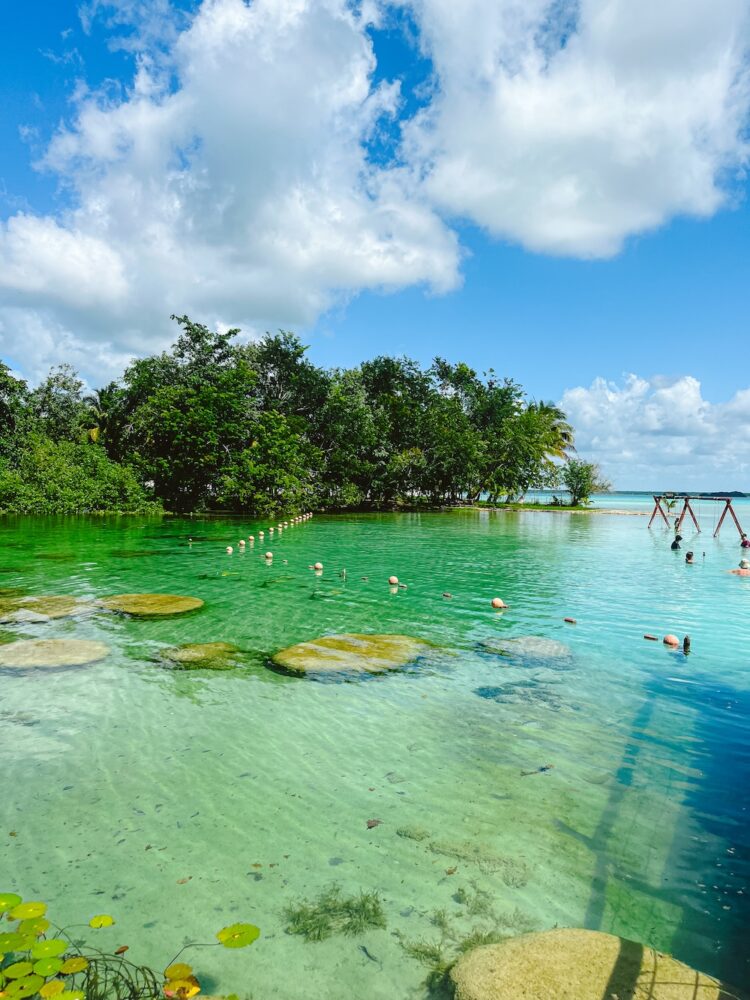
{"type": "Point", "coordinates": [122, 779]}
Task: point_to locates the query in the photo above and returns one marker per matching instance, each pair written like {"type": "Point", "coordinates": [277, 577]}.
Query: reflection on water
{"type": "Point", "coordinates": [592, 779]}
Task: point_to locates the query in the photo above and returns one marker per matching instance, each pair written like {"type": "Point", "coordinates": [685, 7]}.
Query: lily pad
{"type": "Point", "coordinates": [35, 926]}
{"type": "Point", "coordinates": [182, 989]}
{"type": "Point", "coordinates": [27, 911]}
{"type": "Point", "coordinates": [71, 995]}
{"type": "Point", "coordinates": [180, 970]}
{"type": "Point", "coordinates": [29, 653]}
{"type": "Point", "coordinates": [75, 964]}
{"type": "Point", "coordinates": [238, 935]}
{"type": "Point", "coordinates": [40, 609]}
{"type": "Point", "coordinates": [151, 605]}
{"type": "Point", "coordinates": [18, 970]}
{"type": "Point", "coordinates": [350, 653]}
{"type": "Point", "coordinates": [8, 900]}
{"type": "Point", "coordinates": [13, 941]}
{"type": "Point", "coordinates": [48, 966]}
{"type": "Point", "coordinates": [52, 989]}
{"type": "Point", "coordinates": [202, 656]}
{"type": "Point", "coordinates": [26, 987]}
{"type": "Point", "coordinates": [48, 949]}
{"type": "Point", "coordinates": [101, 920]}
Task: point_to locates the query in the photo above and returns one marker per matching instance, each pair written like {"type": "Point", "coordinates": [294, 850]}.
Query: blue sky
{"type": "Point", "coordinates": [523, 187]}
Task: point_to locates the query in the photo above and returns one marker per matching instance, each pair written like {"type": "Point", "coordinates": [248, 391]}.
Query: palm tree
{"type": "Point", "coordinates": [99, 406]}
{"type": "Point", "coordinates": [560, 431]}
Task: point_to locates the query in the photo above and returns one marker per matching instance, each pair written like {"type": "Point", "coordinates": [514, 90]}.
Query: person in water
{"type": "Point", "coordinates": [744, 568]}
{"type": "Point", "coordinates": [676, 543]}
{"type": "Point", "coordinates": [744, 543]}
{"type": "Point", "coordinates": [689, 558]}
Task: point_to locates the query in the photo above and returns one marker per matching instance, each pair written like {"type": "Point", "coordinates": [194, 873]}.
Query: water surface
{"type": "Point", "coordinates": [124, 779]}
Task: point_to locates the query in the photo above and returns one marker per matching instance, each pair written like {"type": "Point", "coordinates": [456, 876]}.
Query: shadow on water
{"type": "Point", "coordinates": [712, 844]}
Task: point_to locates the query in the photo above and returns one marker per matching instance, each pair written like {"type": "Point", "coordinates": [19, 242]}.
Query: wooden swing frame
{"type": "Point", "coordinates": [687, 509]}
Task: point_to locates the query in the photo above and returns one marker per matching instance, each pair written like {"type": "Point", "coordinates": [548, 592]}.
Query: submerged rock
{"type": "Point", "coordinates": [578, 965]}
{"type": "Point", "coordinates": [202, 656]}
{"type": "Point", "coordinates": [350, 654]}
{"type": "Point", "coordinates": [532, 651]}
{"type": "Point", "coordinates": [150, 605]}
{"type": "Point", "coordinates": [40, 609]}
{"type": "Point", "coordinates": [32, 653]}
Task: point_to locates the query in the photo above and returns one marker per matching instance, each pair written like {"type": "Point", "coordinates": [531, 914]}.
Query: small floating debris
{"type": "Point", "coordinates": [653, 638]}
{"type": "Point", "coordinates": [538, 770]}
{"type": "Point", "coordinates": [49, 653]}
{"type": "Point", "coordinates": [150, 605]}
{"type": "Point", "coordinates": [570, 621]}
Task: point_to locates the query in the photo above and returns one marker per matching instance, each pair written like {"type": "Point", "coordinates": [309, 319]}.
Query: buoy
{"type": "Point", "coordinates": [653, 638]}
{"type": "Point", "coordinates": [230, 550]}
{"type": "Point", "coordinates": [269, 555]}
{"type": "Point", "coordinates": [570, 621]}
{"type": "Point", "coordinates": [671, 640]}
{"type": "Point", "coordinates": [393, 580]}
{"type": "Point", "coordinates": [251, 538]}
{"type": "Point", "coordinates": [498, 602]}
{"type": "Point", "coordinates": [270, 531]}
{"type": "Point", "coordinates": [318, 566]}
{"type": "Point", "coordinates": [242, 542]}
{"type": "Point", "coordinates": [260, 534]}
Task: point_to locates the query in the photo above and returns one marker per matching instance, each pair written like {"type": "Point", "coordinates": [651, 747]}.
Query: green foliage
{"type": "Point", "coordinates": [581, 479]}
{"type": "Point", "coordinates": [213, 424]}
{"type": "Point", "coordinates": [60, 477]}
{"type": "Point", "coordinates": [33, 964]}
{"type": "Point", "coordinates": [332, 913]}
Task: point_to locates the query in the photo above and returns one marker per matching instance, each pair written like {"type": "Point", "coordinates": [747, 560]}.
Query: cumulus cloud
{"type": "Point", "coordinates": [569, 125]}
{"type": "Point", "coordinates": [230, 178]}
{"type": "Point", "coordinates": [661, 433]}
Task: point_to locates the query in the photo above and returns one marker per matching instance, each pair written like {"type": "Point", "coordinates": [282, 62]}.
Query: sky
{"type": "Point", "coordinates": [555, 189]}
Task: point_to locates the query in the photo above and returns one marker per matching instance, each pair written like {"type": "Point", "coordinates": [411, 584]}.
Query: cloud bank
{"type": "Point", "coordinates": [231, 177]}
{"type": "Point", "coordinates": [662, 434]}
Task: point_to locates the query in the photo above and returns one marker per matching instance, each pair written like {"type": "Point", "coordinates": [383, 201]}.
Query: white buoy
{"type": "Point", "coordinates": [230, 550]}
{"type": "Point", "coordinates": [318, 566]}
{"type": "Point", "coordinates": [242, 543]}
{"type": "Point", "coordinates": [393, 580]}
{"type": "Point", "coordinates": [269, 555]}
{"type": "Point", "coordinates": [251, 538]}
{"type": "Point", "coordinates": [498, 602]}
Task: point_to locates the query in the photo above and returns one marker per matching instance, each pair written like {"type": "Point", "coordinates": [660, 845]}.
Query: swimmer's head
{"type": "Point", "coordinates": [744, 563]}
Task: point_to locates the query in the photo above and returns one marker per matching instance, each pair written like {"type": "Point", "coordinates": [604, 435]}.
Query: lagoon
{"type": "Point", "coordinates": [181, 801]}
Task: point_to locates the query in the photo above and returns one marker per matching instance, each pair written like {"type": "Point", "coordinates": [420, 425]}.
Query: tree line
{"type": "Point", "coordinates": [214, 424]}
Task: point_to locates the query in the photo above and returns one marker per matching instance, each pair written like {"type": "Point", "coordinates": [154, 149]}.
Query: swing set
{"type": "Point", "coordinates": [670, 498]}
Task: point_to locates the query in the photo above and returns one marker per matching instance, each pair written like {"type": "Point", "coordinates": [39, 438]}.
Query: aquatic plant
{"type": "Point", "coordinates": [202, 656]}
{"type": "Point", "coordinates": [350, 654]}
{"type": "Point", "coordinates": [331, 913]}
{"type": "Point", "coordinates": [478, 902]}
{"type": "Point", "coordinates": [413, 832]}
{"type": "Point", "coordinates": [51, 966]}
{"type": "Point", "coordinates": [513, 871]}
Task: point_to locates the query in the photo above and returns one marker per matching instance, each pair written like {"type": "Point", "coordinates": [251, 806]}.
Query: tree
{"type": "Point", "coordinates": [57, 406]}
{"type": "Point", "coordinates": [581, 479]}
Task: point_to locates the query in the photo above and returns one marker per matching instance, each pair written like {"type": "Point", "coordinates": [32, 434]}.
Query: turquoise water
{"type": "Point", "coordinates": [124, 779]}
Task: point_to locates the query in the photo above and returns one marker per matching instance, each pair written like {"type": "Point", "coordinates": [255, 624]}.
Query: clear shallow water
{"type": "Point", "coordinates": [121, 779]}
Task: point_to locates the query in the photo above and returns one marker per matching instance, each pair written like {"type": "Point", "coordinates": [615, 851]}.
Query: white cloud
{"type": "Point", "coordinates": [568, 126]}
{"type": "Point", "coordinates": [229, 179]}
{"type": "Point", "coordinates": [662, 434]}
{"type": "Point", "coordinates": [242, 195]}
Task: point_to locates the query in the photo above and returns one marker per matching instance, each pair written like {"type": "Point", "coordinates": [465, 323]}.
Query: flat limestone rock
{"type": "Point", "coordinates": [202, 656]}
{"type": "Point", "coordinates": [350, 654]}
{"type": "Point", "coordinates": [28, 653]}
{"type": "Point", "coordinates": [40, 609]}
{"type": "Point", "coordinates": [531, 649]}
{"type": "Point", "coordinates": [151, 605]}
{"type": "Point", "coordinates": [578, 965]}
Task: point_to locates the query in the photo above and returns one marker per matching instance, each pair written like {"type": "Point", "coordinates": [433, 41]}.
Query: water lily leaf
{"type": "Point", "coordinates": [71, 995]}
{"type": "Point", "coordinates": [101, 920]}
{"type": "Point", "coordinates": [26, 911]}
{"type": "Point", "coordinates": [178, 971]}
{"type": "Point", "coordinates": [18, 970]}
{"type": "Point", "coordinates": [238, 935]}
{"type": "Point", "coordinates": [52, 989]}
{"type": "Point", "coordinates": [47, 966]}
{"type": "Point", "coordinates": [48, 949]}
{"type": "Point", "coordinates": [75, 964]}
{"type": "Point", "coordinates": [8, 900]}
{"type": "Point", "coordinates": [35, 926]}
{"type": "Point", "coordinates": [26, 987]}
{"type": "Point", "coordinates": [184, 989]}
{"type": "Point", "coordinates": [13, 941]}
